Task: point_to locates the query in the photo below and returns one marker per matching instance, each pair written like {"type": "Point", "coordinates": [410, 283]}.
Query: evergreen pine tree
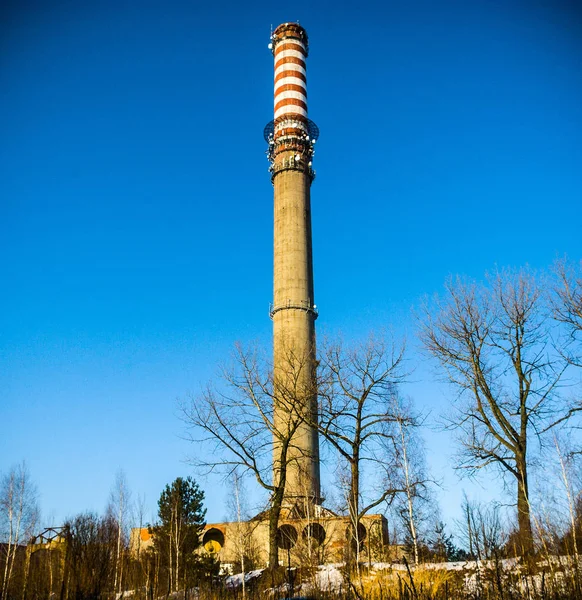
{"type": "Point", "coordinates": [176, 537]}
{"type": "Point", "coordinates": [441, 545]}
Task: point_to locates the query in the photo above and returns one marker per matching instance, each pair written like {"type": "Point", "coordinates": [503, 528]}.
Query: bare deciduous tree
{"type": "Point", "coordinates": [18, 518]}
{"type": "Point", "coordinates": [357, 413]}
{"type": "Point", "coordinates": [89, 556]}
{"type": "Point", "coordinates": [236, 423]}
{"type": "Point", "coordinates": [243, 529]}
{"type": "Point", "coordinates": [481, 529]}
{"type": "Point", "coordinates": [411, 475]}
{"type": "Point", "coordinates": [119, 510]}
{"type": "Point", "coordinates": [569, 492]}
{"type": "Point", "coordinates": [493, 344]}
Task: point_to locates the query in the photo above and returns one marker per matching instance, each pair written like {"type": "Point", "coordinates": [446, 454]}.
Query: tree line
{"type": "Point", "coordinates": [91, 556]}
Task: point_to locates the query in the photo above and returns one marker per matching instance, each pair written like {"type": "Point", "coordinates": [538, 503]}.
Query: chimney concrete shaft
{"type": "Point", "coordinates": [291, 139]}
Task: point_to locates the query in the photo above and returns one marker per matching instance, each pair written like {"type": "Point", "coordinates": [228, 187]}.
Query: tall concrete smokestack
{"type": "Point", "coordinates": [291, 137]}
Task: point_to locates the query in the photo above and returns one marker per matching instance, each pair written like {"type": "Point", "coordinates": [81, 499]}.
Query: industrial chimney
{"type": "Point", "coordinates": [291, 137]}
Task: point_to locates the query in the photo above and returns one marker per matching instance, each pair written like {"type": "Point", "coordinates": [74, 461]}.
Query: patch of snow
{"type": "Point", "coordinates": [329, 578]}
{"type": "Point", "coordinates": [235, 581]}
{"type": "Point", "coordinates": [463, 565]}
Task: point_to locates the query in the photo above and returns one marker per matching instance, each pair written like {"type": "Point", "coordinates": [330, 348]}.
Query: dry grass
{"type": "Point", "coordinates": [491, 581]}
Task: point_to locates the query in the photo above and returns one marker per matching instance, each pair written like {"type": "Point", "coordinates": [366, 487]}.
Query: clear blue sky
{"type": "Point", "coordinates": [136, 228]}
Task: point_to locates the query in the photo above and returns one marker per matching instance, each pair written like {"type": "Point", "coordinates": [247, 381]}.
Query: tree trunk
{"type": "Point", "coordinates": [274, 514]}
{"type": "Point", "coordinates": [523, 509]}
{"type": "Point", "coordinates": [354, 505]}
{"type": "Point", "coordinates": [277, 502]}
{"type": "Point", "coordinates": [409, 497]}
{"type": "Point", "coordinates": [241, 539]}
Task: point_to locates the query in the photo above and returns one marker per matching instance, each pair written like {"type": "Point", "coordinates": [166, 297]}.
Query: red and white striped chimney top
{"type": "Point", "coordinates": [290, 48]}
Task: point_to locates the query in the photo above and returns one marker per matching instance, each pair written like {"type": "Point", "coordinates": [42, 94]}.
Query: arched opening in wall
{"type": "Point", "coordinates": [356, 539]}
{"type": "Point", "coordinates": [286, 537]}
{"type": "Point", "coordinates": [213, 540]}
{"type": "Point", "coordinates": [314, 532]}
